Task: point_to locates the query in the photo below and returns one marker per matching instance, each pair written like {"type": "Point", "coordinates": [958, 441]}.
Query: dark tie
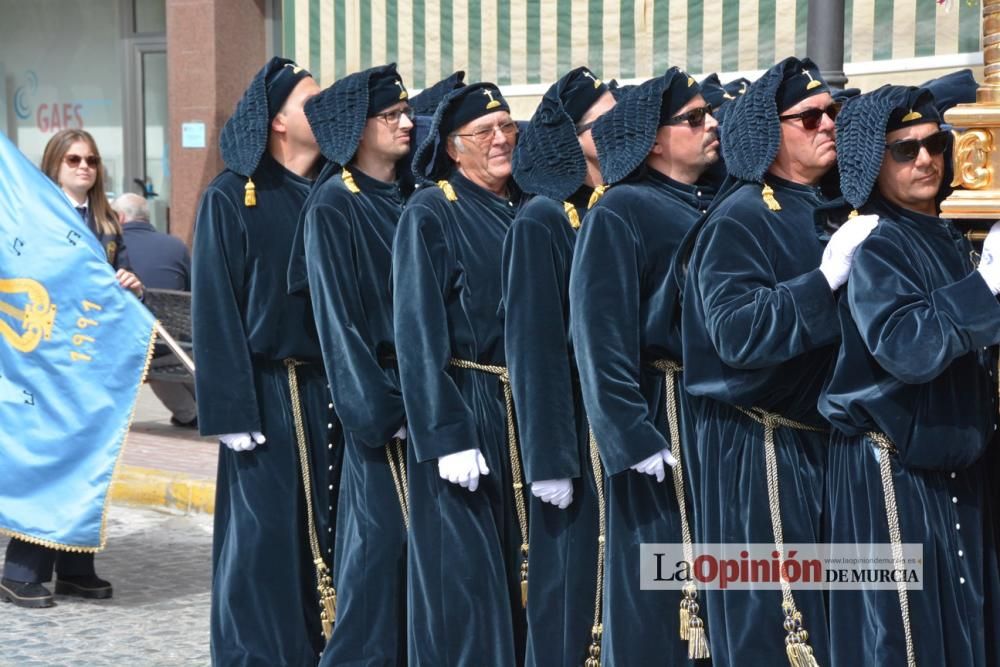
{"type": "Point", "coordinates": [82, 210]}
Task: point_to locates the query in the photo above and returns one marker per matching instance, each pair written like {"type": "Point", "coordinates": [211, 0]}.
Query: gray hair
{"type": "Point", "coordinates": [132, 206]}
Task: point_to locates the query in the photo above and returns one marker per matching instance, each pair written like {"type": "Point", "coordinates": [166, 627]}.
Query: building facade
{"type": "Point", "coordinates": [154, 80]}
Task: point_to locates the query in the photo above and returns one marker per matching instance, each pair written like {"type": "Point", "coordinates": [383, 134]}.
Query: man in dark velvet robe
{"type": "Point", "coordinates": [759, 335]}
{"type": "Point", "coordinates": [913, 391]}
{"type": "Point", "coordinates": [556, 161]}
{"type": "Point", "coordinates": [265, 608]}
{"type": "Point", "coordinates": [342, 258]}
{"type": "Point", "coordinates": [465, 533]}
{"type": "Point", "coordinates": [653, 148]}
{"type": "Point", "coordinates": [719, 95]}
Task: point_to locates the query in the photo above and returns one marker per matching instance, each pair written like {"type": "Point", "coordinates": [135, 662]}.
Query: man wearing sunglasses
{"type": "Point", "coordinates": [653, 147]}
{"type": "Point", "coordinates": [912, 397]}
{"type": "Point", "coordinates": [556, 161]}
{"type": "Point", "coordinates": [465, 554]}
{"type": "Point", "coordinates": [342, 258]}
{"type": "Point", "coordinates": [264, 604]}
{"type": "Point", "coordinates": [759, 333]}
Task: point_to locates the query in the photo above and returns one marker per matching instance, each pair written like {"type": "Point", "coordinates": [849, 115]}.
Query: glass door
{"type": "Point", "coordinates": [154, 181]}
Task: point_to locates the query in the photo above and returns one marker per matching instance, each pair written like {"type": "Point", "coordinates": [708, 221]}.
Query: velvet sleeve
{"type": "Point", "coordinates": [753, 319]}
{"type": "Point", "coordinates": [368, 402]}
{"type": "Point", "coordinates": [605, 322]}
{"type": "Point", "coordinates": [914, 332]}
{"type": "Point", "coordinates": [439, 421]}
{"type": "Point", "coordinates": [537, 352]}
{"type": "Point", "coordinates": [224, 383]}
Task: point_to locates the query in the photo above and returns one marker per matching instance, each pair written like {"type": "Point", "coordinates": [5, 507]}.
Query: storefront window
{"type": "Point", "coordinates": [150, 16]}
{"type": "Point", "coordinates": [62, 65]}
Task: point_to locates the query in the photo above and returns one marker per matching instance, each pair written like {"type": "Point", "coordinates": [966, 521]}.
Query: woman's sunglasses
{"type": "Point", "coordinates": [73, 161]}
{"type": "Point", "coordinates": [811, 118]}
{"type": "Point", "coordinates": [695, 117]}
{"type": "Point", "coordinates": [907, 150]}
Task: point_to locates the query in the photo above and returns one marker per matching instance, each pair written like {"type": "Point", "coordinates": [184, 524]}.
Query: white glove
{"type": "Point", "coordinates": [401, 433]}
{"type": "Point", "coordinates": [463, 468]}
{"type": "Point", "coordinates": [654, 464]}
{"type": "Point", "coordinates": [839, 253]}
{"type": "Point", "coordinates": [242, 442]}
{"type": "Point", "coordinates": [989, 263]}
{"type": "Point", "coordinates": [558, 492]}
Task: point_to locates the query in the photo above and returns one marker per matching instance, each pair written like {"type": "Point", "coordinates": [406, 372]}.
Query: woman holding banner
{"type": "Point", "coordinates": [72, 160]}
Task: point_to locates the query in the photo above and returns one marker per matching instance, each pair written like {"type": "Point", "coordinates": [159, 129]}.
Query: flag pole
{"type": "Point", "coordinates": [175, 347]}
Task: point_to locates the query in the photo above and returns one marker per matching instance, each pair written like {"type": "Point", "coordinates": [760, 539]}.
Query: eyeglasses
{"type": "Point", "coordinates": [73, 161]}
{"type": "Point", "coordinates": [811, 118]}
{"type": "Point", "coordinates": [484, 136]}
{"type": "Point", "coordinates": [907, 150]}
{"type": "Point", "coordinates": [392, 117]}
{"type": "Point", "coordinates": [580, 129]}
{"type": "Point", "coordinates": [695, 117]}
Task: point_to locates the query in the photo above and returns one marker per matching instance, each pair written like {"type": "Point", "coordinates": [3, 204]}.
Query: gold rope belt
{"type": "Point", "coordinates": [692, 628]}
{"type": "Point", "coordinates": [885, 451]}
{"type": "Point", "coordinates": [597, 630]}
{"type": "Point", "coordinates": [515, 461]}
{"type": "Point", "coordinates": [797, 648]}
{"type": "Point", "coordinates": [395, 449]}
{"type": "Point", "coordinates": [324, 585]}
{"type": "Point", "coordinates": [395, 453]}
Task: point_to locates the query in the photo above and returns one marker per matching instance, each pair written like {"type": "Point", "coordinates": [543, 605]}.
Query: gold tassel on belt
{"type": "Point", "coordinates": [597, 630]}
{"type": "Point", "coordinates": [797, 648]}
{"type": "Point", "coordinates": [692, 628]}
{"type": "Point", "coordinates": [515, 461]}
{"type": "Point", "coordinates": [395, 452]}
{"type": "Point", "coordinates": [324, 582]}
{"type": "Point", "coordinates": [885, 451]}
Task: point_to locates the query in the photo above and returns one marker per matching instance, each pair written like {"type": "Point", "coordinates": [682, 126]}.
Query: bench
{"type": "Point", "coordinates": [173, 309]}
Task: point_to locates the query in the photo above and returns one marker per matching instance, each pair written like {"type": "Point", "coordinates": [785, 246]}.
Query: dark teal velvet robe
{"type": "Point", "coordinates": [620, 324]}
{"type": "Point", "coordinates": [916, 319]}
{"type": "Point", "coordinates": [552, 430]}
{"type": "Point", "coordinates": [464, 552]}
{"type": "Point", "coordinates": [265, 609]}
{"type": "Point", "coordinates": [347, 242]}
{"type": "Point", "coordinates": [759, 326]}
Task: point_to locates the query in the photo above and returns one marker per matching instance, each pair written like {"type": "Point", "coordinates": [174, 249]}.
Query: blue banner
{"type": "Point", "coordinates": [73, 352]}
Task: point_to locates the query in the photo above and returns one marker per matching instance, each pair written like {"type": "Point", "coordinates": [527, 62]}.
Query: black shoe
{"type": "Point", "coordinates": [90, 586]}
{"type": "Point", "coordinates": [33, 596]}
{"type": "Point", "coordinates": [179, 424]}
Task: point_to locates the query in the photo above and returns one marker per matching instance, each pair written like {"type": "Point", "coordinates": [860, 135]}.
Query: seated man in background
{"type": "Point", "coordinates": [161, 261]}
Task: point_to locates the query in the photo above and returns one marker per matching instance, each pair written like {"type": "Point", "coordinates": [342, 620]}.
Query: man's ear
{"type": "Point", "coordinates": [452, 151]}
{"type": "Point", "coordinates": [657, 148]}
{"type": "Point", "coordinates": [278, 123]}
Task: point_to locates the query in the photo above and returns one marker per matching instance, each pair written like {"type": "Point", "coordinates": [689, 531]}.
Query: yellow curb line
{"type": "Point", "coordinates": [160, 488]}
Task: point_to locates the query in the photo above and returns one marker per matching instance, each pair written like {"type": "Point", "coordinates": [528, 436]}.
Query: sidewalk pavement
{"type": "Point", "coordinates": [163, 465]}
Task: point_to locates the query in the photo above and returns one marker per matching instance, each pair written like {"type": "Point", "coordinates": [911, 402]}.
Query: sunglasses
{"type": "Point", "coordinates": [811, 118]}
{"type": "Point", "coordinates": [73, 161]}
{"type": "Point", "coordinates": [695, 117]}
{"type": "Point", "coordinates": [907, 150]}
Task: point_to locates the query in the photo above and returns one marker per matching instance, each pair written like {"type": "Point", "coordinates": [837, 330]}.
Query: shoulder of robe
{"type": "Point", "coordinates": [429, 197]}
{"type": "Point", "coordinates": [333, 192]}
{"type": "Point", "coordinates": [543, 213]}
{"type": "Point", "coordinates": [229, 183]}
